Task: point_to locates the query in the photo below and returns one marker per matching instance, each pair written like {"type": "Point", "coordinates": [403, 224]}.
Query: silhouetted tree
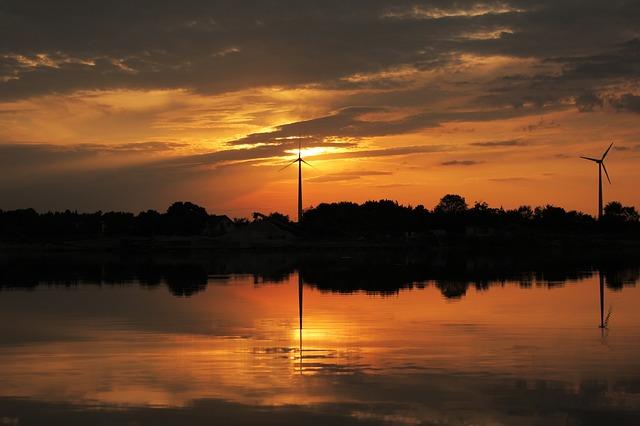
{"type": "Point", "coordinates": [557, 218]}
{"type": "Point", "coordinates": [118, 223]}
{"type": "Point", "coordinates": [372, 220]}
{"type": "Point", "coordinates": [186, 218]}
{"type": "Point", "coordinates": [241, 221]}
{"type": "Point", "coordinates": [451, 204]}
{"type": "Point", "coordinates": [617, 213]}
{"type": "Point", "coordinates": [525, 212]}
{"type": "Point", "coordinates": [149, 222]}
{"type": "Point", "coordinates": [279, 217]}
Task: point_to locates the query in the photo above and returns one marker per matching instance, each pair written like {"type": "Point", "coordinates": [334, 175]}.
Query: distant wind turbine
{"type": "Point", "coordinates": [601, 167]}
{"type": "Point", "coordinates": [299, 160]}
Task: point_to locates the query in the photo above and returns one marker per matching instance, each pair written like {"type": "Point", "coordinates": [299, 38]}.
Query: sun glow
{"type": "Point", "coordinates": [311, 151]}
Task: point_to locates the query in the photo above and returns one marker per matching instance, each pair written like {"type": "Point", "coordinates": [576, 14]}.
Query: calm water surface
{"type": "Point", "coordinates": [252, 351]}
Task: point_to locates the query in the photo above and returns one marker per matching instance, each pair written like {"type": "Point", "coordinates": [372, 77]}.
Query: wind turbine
{"type": "Point", "coordinates": [298, 160]}
{"type": "Point", "coordinates": [601, 166]}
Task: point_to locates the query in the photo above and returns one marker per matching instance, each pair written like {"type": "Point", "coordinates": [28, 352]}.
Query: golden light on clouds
{"type": "Point", "coordinates": [407, 103]}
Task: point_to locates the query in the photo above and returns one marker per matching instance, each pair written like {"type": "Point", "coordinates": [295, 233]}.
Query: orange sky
{"type": "Point", "coordinates": [493, 103]}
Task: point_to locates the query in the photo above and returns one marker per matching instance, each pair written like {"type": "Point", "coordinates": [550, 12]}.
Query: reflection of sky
{"type": "Point", "coordinates": [414, 355]}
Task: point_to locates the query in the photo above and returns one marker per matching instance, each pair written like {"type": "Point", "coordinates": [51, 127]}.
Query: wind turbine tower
{"type": "Point", "coordinates": [298, 160]}
{"type": "Point", "coordinates": [601, 166]}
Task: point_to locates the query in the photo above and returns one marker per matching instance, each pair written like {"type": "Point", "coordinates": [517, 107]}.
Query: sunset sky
{"type": "Point", "coordinates": [130, 105]}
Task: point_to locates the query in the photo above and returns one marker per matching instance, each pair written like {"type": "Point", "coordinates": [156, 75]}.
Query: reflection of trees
{"type": "Point", "coordinates": [452, 289]}
{"type": "Point", "coordinates": [185, 280]}
{"type": "Point", "coordinates": [383, 272]}
{"type": "Point", "coordinates": [388, 273]}
{"type": "Point", "coordinates": [617, 278]}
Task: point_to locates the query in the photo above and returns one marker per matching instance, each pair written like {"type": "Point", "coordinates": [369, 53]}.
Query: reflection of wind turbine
{"type": "Point", "coordinates": [601, 166]}
{"type": "Point", "coordinates": [298, 160]}
{"type": "Point", "coordinates": [601, 300]}
{"type": "Point", "coordinates": [604, 321]}
{"type": "Point", "coordinates": [300, 314]}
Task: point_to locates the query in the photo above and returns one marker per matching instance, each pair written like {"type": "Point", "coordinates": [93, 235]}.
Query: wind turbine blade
{"type": "Point", "coordinates": [590, 159]}
{"type": "Point", "coordinates": [605, 172]}
{"type": "Point", "coordinates": [607, 151]}
{"type": "Point", "coordinates": [307, 163]}
{"type": "Point", "coordinates": [293, 162]}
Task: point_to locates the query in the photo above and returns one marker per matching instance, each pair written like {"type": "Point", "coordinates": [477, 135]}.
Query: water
{"type": "Point", "coordinates": [519, 350]}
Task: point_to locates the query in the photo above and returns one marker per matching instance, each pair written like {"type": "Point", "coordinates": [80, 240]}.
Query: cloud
{"type": "Point", "coordinates": [354, 123]}
{"type": "Point", "coordinates": [509, 179]}
{"type": "Point", "coordinates": [347, 176]}
{"type": "Point", "coordinates": [627, 102]}
{"type": "Point", "coordinates": [588, 101]}
{"type": "Point", "coordinates": [264, 152]}
{"type": "Point", "coordinates": [262, 76]}
{"type": "Point", "coordinates": [22, 155]}
{"type": "Point", "coordinates": [215, 47]}
{"type": "Point", "coordinates": [387, 152]}
{"type": "Point", "coordinates": [47, 177]}
{"type": "Point", "coordinates": [149, 146]}
{"type": "Point", "coordinates": [504, 143]}
{"type": "Point", "coordinates": [580, 79]}
{"type": "Point", "coordinates": [460, 163]}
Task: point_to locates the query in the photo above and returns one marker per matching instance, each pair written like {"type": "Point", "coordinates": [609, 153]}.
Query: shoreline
{"type": "Point", "coordinates": [618, 243]}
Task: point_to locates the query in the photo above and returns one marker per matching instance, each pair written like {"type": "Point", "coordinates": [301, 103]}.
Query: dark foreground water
{"type": "Point", "coordinates": [336, 341]}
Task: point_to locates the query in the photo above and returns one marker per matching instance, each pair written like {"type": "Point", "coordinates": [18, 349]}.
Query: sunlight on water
{"type": "Point", "coordinates": [419, 354]}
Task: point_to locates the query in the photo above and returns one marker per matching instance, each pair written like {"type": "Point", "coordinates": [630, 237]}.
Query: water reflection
{"type": "Point", "coordinates": [375, 273]}
{"type": "Point", "coordinates": [290, 346]}
{"type": "Point", "coordinates": [300, 307]}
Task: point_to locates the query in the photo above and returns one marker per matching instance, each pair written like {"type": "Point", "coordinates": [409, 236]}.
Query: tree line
{"type": "Point", "coordinates": [453, 215]}
{"type": "Point", "coordinates": [343, 219]}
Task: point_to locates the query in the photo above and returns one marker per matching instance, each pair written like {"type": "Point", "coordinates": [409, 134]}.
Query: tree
{"type": "Point", "coordinates": [186, 209]}
{"type": "Point", "coordinates": [149, 222]}
{"type": "Point", "coordinates": [525, 212]}
{"type": "Point", "coordinates": [186, 218]}
{"type": "Point", "coordinates": [616, 212]}
{"type": "Point", "coordinates": [241, 221]}
{"type": "Point", "coordinates": [452, 204]}
{"type": "Point", "coordinates": [279, 217]}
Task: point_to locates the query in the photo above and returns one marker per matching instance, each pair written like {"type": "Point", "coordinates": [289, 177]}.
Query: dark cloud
{"type": "Point", "coordinates": [141, 146]}
{"type": "Point", "coordinates": [505, 143]}
{"type": "Point", "coordinates": [541, 124]}
{"type": "Point", "coordinates": [213, 47]}
{"type": "Point", "coordinates": [509, 179]}
{"type": "Point", "coordinates": [387, 152]}
{"type": "Point", "coordinates": [627, 102]}
{"type": "Point", "coordinates": [21, 155]}
{"type": "Point", "coordinates": [347, 176]}
{"type": "Point", "coordinates": [574, 79]}
{"type": "Point", "coordinates": [354, 123]}
{"type": "Point", "coordinates": [588, 101]}
{"type": "Point", "coordinates": [460, 163]}
{"type": "Point", "coordinates": [47, 177]}
{"type": "Point", "coordinates": [366, 52]}
{"type": "Point", "coordinates": [15, 156]}
{"type": "Point", "coordinates": [347, 122]}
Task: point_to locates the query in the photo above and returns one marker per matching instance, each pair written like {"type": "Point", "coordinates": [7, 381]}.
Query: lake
{"type": "Point", "coordinates": [342, 339]}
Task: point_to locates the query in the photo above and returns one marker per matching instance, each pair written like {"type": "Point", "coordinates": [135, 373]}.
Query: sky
{"type": "Point", "coordinates": [124, 105]}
